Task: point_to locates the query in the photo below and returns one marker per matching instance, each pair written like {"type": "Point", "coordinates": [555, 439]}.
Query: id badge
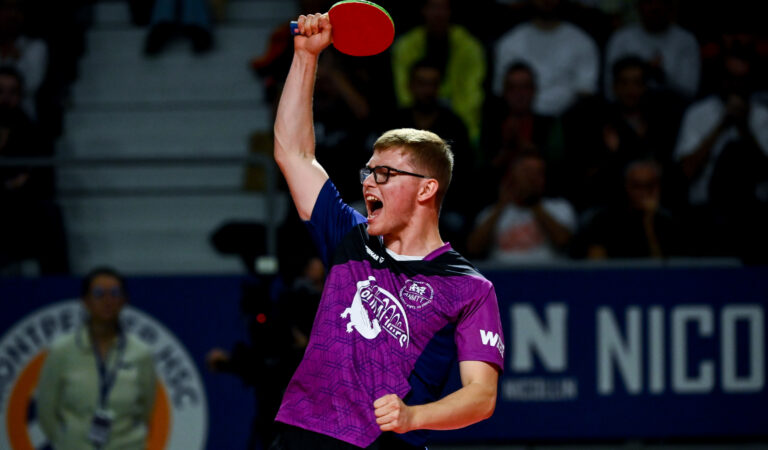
{"type": "Point", "coordinates": [100, 426]}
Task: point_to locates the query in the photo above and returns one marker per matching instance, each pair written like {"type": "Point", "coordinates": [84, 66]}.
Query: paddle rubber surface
{"type": "Point", "coordinates": [360, 28]}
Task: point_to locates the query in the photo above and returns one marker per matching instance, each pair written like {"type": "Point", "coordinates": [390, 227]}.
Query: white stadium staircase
{"type": "Point", "coordinates": [195, 112]}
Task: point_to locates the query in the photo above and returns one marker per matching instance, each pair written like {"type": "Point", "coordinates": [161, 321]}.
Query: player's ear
{"type": "Point", "coordinates": [428, 189]}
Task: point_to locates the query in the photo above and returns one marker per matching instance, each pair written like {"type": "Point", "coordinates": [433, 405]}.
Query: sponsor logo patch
{"type": "Point", "coordinates": [492, 339]}
{"type": "Point", "coordinates": [416, 294]}
{"type": "Point", "coordinates": [374, 255]}
{"type": "Point", "coordinates": [375, 309]}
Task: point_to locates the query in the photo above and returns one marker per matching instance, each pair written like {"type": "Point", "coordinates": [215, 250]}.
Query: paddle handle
{"type": "Point", "coordinates": [294, 28]}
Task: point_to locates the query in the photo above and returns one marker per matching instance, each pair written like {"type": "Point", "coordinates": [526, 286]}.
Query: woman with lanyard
{"type": "Point", "coordinates": [97, 387]}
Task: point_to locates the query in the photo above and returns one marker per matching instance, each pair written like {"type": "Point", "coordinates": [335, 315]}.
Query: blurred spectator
{"type": "Point", "coordinates": [523, 226]}
{"type": "Point", "coordinates": [618, 12]}
{"type": "Point", "coordinates": [598, 18]}
{"type": "Point", "coordinates": [97, 386]}
{"type": "Point", "coordinates": [272, 65]}
{"type": "Point", "coordinates": [603, 137]}
{"type": "Point", "coordinates": [638, 228]}
{"type": "Point", "coordinates": [511, 127]}
{"type": "Point", "coordinates": [564, 58]}
{"type": "Point", "coordinates": [280, 312]}
{"type": "Point", "coordinates": [671, 51]}
{"type": "Point", "coordinates": [27, 55]}
{"type": "Point", "coordinates": [715, 48]}
{"type": "Point", "coordinates": [722, 132]}
{"type": "Point", "coordinates": [459, 55]}
{"type": "Point", "coordinates": [62, 25]}
{"type": "Point", "coordinates": [141, 11]}
{"type": "Point", "coordinates": [346, 107]}
{"type": "Point", "coordinates": [172, 18]}
{"type": "Point", "coordinates": [723, 151]}
{"type": "Point", "coordinates": [32, 226]}
{"type": "Point", "coordinates": [266, 361]}
{"type": "Point", "coordinates": [427, 113]}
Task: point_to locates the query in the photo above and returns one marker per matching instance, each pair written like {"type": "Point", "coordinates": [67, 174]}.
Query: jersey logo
{"type": "Point", "coordinates": [387, 312]}
{"type": "Point", "coordinates": [416, 294]}
{"type": "Point", "coordinates": [492, 339]}
{"type": "Point", "coordinates": [358, 314]}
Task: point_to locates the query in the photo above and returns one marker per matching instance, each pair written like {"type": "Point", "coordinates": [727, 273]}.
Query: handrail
{"type": "Point", "coordinates": [249, 160]}
{"type": "Point", "coordinates": [132, 161]}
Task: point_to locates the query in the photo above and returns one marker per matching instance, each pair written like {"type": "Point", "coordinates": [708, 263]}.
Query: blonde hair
{"type": "Point", "coordinates": [426, 150]}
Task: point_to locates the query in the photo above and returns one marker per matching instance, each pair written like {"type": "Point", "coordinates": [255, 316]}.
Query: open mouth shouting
{"type": "Point", "coordinates": [374, 205]}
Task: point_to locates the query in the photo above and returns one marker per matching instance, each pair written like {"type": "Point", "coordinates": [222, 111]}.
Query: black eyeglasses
{"type": "Point", "coordinates": [381, 174]}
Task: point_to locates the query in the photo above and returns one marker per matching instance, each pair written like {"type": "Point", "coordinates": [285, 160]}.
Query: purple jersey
{"type": "Point", "coordinates": [384, 326]}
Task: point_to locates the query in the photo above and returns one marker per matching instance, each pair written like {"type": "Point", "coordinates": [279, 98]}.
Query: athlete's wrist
{"type": "Point", "coordinates": [415, 415]}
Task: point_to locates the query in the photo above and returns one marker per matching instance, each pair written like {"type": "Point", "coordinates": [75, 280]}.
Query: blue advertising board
{"type": "Point", "coordinates": [641, 353]}
{"type": "Point", "coordinates": [181, 318]}
{"type": "Point", "coordinates": [590, 354]}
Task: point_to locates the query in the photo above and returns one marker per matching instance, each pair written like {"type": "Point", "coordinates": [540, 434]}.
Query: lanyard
{"type": "Point", "coordinates": [107, 377]}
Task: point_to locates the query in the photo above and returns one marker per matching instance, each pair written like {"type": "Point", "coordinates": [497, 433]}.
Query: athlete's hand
{"type": "Point", "coordinates": [392, 414]}
{"type": "Point", "coordinates": [314, 33]}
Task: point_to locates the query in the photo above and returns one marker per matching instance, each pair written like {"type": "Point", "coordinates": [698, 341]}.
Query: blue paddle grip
{"type": "Point", "coordinates": [294, 28]}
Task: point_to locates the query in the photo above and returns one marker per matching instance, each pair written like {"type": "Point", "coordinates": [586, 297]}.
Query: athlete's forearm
{"type": "Point", "coordinates": [294, 128]}
{"type": "Point", "coordinates": [470, 404]}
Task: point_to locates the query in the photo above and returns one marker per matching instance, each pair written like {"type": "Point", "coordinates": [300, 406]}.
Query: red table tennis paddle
{"type": "Point", "coordinates": [360, 28]}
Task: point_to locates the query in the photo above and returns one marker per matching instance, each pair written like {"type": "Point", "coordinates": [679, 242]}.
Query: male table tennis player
{"type": "Point", "coordinates": [399, 306]}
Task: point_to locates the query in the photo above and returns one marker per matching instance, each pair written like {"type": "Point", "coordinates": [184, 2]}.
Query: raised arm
{"type": "Point", "coordinates": [294, 126]}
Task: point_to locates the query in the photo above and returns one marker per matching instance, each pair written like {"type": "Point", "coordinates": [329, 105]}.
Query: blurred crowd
{"type": "Point", "coordinates": [40, 44]}
{"type": "Point", "coordinates": [581, 129]}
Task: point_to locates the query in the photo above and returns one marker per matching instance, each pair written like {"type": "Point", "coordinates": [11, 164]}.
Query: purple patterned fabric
{"type": "Point", "coordinates": [375, 319]}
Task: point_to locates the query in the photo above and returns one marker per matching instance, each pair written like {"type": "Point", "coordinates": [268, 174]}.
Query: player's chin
{"type": "Point", "coordinates": [375, 228]}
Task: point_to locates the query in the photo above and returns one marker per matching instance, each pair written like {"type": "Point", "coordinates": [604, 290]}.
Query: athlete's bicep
{"type": "Point", "coordinates": [480, 372]}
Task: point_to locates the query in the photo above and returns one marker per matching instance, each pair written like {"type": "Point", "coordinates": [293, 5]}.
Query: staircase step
{"type": "Point", "coordinates": [117, 13]}
{"type": "Point", "coordinates": [123, 46]}
{"type": "Point", "coordinates": [116, 70]}
{"type": "Point", "coordinates": [144, 178]}
{"type": "Point", "coordinates": [163, 133]}
{"type": "Point", "coordinates": [159, 235]}
{"type": "Point", "coordinates": [272, 11]}
{"type": "Point", "coordinates": [158, 219]}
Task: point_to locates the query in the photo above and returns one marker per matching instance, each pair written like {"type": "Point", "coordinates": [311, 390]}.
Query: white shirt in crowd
{"type": "Point", "coordinates": [32, 64]}
{"type": "Point", "coordinates": [699, 121]}
{"type": "Point", "coordinates": [676, 47]}
{"type": "Point", "coordinates": [518, 237]}
{"type": "Point", "coordinates": [565, 61]}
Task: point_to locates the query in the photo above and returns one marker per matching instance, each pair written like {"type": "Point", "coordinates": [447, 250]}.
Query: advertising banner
{"type": "Point", "coordinates": [590, 354]}
{"type": "Point", "coordinates": [619, 353]}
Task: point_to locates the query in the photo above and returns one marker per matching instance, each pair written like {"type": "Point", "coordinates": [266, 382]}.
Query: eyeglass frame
{"type": "Point", "coordinates": [366, 171]}
{"type": "Point", "coordinates": [99, 293]}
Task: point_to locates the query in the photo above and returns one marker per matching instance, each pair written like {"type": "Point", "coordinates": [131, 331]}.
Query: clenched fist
{"type": "Point", "coordinates": [392, 414]}
{"type": "Point", "coordinates": [314, 33]}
